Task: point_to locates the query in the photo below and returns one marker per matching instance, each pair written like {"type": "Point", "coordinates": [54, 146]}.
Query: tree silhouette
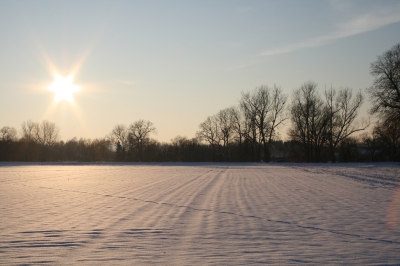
{"type": "Point", "coordinates": [310, 120]}
{"type": "Point", "coordinates": [264, 108]}
{"type": "Point", "coordinates": [385, 92]}
{"type": "Point", "coordinates": [139, 133]}
{"type": "Point", "coordinates": [342, 110]}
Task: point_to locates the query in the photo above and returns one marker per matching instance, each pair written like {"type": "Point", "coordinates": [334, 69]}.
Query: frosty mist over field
{"type": "Point", "coordinates": [199, 214]}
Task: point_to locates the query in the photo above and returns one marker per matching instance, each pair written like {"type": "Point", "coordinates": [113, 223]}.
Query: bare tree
{"type": "Point", "coordinates": [389, 135]}
{"type": "Point", "coordinates": [256, 106]}
{"type": "Point", "coordinates": [310, 120]}
{"type": "Point", "coordinates": [179, 143]}
{"type": "Point", "coordinates": [41, 139]}
{"type": "Point", "coordinates": [239, 129]}
{"type": "Point", "coordinates": [385, 92]}
{"type": "Point", "coordinates": [278, 112]}
{"type": "Point", "coordinates": [225, 121]}
{"type": "Point", "coordinates": [119, 134]}
{"type": "Point", "coordinates": [28, 130]}
{"type": "Point", "coordinates": [238, 124]}
{"type": "Point", "coordinates": [119, 137]}
{"type": "Point", "coordinates": [8, 134]}
{"type": "Point", "coordinates": [139, 133]}
{"type": "Point", "coordinates": [264, 109]}
{"type": "Point", "coordinates": [209, 132]}
{"type": "Point", "coordinates": [46, 133]}
{"type": "Point", "coordinates": [252, 134]}
{"type": "Point", "coordinates": [8, 138]}
{"type": "Point", "coordinates": [342, 110]}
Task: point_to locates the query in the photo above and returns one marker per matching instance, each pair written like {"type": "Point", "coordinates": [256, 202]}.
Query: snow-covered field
{"type": "Point", "coordinates": [199, 214]}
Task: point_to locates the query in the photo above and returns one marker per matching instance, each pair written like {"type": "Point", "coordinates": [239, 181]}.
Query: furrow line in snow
{"type": "Point", "coordinates": [374, 178]}
{"type": "Point", "coordinates": [314, 228]}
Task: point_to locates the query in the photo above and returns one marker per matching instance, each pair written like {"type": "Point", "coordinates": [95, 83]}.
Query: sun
{"type": "Point", "coordinates": [64, 88]}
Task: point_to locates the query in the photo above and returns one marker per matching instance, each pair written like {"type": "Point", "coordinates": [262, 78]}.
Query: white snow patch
{"type": "Point", "coordinates": [197, 214]}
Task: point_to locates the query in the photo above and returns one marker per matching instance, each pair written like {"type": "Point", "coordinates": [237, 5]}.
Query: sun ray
{"type": "Point", "coordinates": [64, 88]}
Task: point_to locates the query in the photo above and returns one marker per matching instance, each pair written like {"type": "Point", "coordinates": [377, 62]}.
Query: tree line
{"type": "Point", "coordinates": [322, 127]}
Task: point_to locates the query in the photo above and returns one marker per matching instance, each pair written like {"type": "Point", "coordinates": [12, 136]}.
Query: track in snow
{"type": "Point", "coordinates": [197, 214]}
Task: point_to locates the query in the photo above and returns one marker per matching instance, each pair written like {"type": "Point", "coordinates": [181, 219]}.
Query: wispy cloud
{"type": "Point", "coordinates": [363, 23]}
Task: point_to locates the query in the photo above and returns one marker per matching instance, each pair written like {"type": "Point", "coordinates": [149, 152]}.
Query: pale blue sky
{"type": "Point", "coordinates": [177, 62]}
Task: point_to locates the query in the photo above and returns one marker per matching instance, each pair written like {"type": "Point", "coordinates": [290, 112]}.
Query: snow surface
{"type": "Point", "coordinates": [199, 214]}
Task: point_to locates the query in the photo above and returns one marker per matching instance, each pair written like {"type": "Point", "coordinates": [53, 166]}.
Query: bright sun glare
{"type": "Point", "coordinates": [63, 88]}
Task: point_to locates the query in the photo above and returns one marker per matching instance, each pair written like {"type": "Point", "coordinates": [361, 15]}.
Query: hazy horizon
{"type": "Point", "coordinates": [175, 63]}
